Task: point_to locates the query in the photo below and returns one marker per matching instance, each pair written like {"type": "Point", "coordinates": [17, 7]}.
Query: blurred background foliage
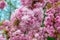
{"type": "Point", "coordinates": [11, 6]}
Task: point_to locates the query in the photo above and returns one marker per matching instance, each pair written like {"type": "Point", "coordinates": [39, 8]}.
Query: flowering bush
{"type": "Point", "coordinates": [33, 20]}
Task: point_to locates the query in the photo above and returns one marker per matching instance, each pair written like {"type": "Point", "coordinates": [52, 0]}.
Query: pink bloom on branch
{"type": "Point", "coordinates": [31, 3]}
{"type": "Point", "coordinates": [2, 4]}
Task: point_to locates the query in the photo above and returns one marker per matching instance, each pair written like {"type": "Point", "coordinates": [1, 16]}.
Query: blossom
{"type": "Point", "coordinates": [52, 21]}
{"type": "Point", "coordinates": [2, 4]}
{"type": "Point", "coordinates": [34, 3]}
{"type": "Point", "coordinates": [26, 21]}
{"type": "Point", "coordinates": [26, 2]}
{"type": "Point", "coordinates": [2, 38]}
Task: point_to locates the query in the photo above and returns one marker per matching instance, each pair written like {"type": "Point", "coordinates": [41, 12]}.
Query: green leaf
{"type": "Point", "coordinates": [50, 38]}
{"type": "Point", "coordinates": [0, 23]}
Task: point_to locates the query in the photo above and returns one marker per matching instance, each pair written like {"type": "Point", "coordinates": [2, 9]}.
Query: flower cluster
{"type": "Point", "coordinates": [29, 3]}
{"type": "Point", "coordinates": [2, 4]}
{"type": "Point", "coordinates": [52, 20]}
{"type": "Point", "coordinates": [26, 22]}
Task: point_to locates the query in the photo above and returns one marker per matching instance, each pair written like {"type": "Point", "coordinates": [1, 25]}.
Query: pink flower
{"type": "Point", "coordinates": [2, 38]}
{"type": "Point", "coordinates": [52, 21]}
{"type": "Point", "coordinates": [26, 2]}
{"type": "Point", "coordinates": [25, 22]}
{"type": "Point", "coordinates": [2, 4]}
{"type": "Point", "coordinates": [6, 23]}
